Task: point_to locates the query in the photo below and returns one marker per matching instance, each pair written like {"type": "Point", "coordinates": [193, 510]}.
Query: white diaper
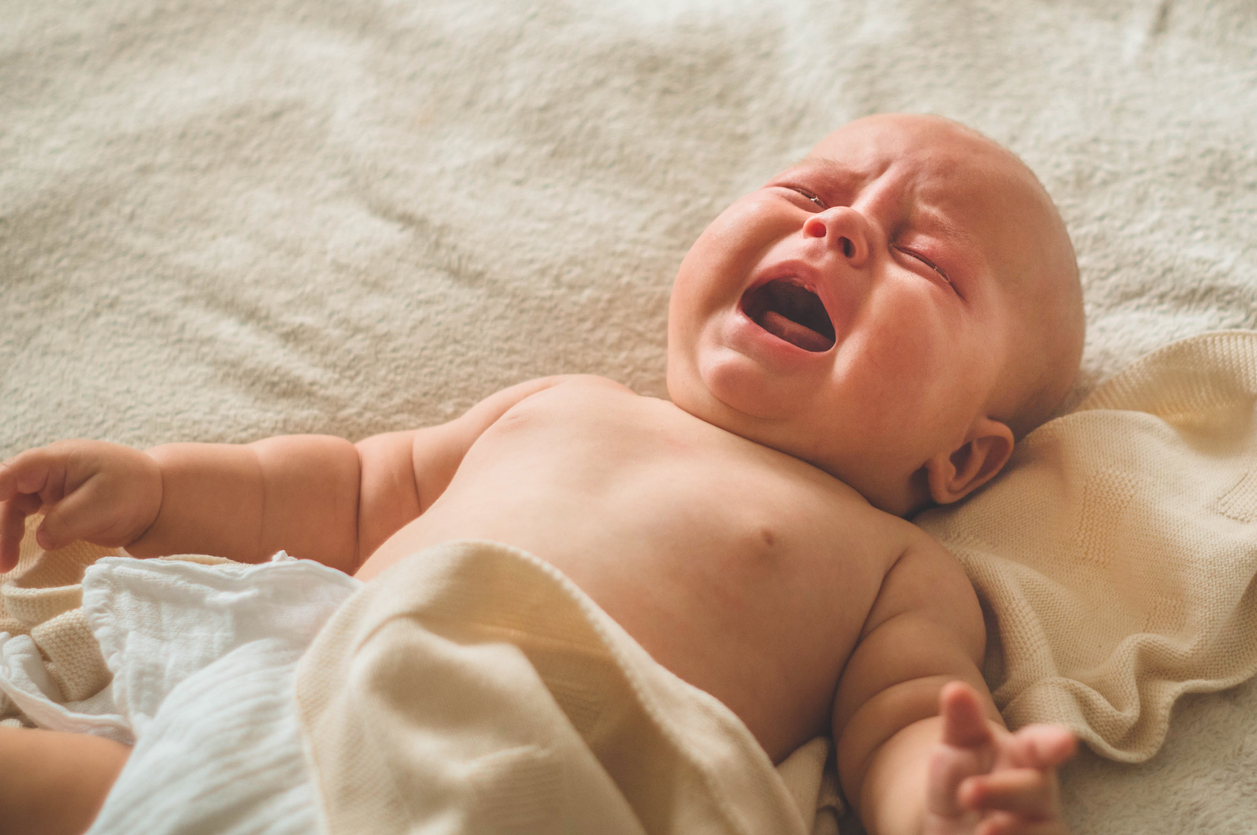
{"type": "Point", "coordinates": [203, 660]}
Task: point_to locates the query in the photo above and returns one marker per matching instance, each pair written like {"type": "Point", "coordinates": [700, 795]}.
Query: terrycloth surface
{"type": "Point", "coordinates": [474, 688]}
{"type": "Point", "coordinates": [220, 221]}
{"type": "Point", "coordinates": [1119, 556]}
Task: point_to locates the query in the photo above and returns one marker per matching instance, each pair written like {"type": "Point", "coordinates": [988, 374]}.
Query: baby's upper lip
{"type": "Point", "coordinates": [804, 274]}
{"type": "Point", "coordinates": [807, 274]}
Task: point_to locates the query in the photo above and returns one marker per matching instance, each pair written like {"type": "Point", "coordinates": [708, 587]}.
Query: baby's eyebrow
{"type": "Point", "coordinates": [928, 218]}
{"type": "Point", "coordinates": [930, 213]}
{"type": "Point", "coordinates": [832, 168]}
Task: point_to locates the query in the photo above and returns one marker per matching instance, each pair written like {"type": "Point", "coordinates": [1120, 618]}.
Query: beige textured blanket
{"type": "Point", "coordinates": [1118, 556]}
{"type": "Point", "coordinates": [473, 688]}
{"type": "Point", "coordinates": [221, 221]}
{"type": "Point", "coordinates": [43, 598]}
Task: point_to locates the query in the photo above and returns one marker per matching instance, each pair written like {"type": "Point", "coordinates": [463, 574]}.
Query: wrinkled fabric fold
{"type": "Point", "coordinates": [472, 687]}
{"type": "Point", "coordinates": [1118, 553]}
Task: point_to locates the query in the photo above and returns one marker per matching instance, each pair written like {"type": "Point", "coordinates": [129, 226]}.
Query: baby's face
{"type": "Point", "coordinates": [864, 308]}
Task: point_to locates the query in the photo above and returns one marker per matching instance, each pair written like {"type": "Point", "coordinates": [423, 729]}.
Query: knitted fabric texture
{"type": "Point", "coordinates": [43, 597]}
{"type": "Point", "coordinates": [473, 683]}
{"type": "Point", "coordinates": [1116, 557]}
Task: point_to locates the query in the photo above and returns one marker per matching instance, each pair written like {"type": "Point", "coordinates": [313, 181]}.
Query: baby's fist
{"type": "Point", "coordinates": [987, 781]}
{"type": "Point", "coordinates": [99, 492]}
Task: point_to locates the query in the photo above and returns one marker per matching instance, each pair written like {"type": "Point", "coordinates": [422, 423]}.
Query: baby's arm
{"type": "Point", "coordinates": [315, 496]}
{"type": "Point", "coordinates": [921, 747]}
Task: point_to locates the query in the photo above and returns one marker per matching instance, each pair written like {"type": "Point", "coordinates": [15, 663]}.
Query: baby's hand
{"type": "Point", "coordinates": [103, 493]}
{"type": "Point", "coordinates": [987, 781]}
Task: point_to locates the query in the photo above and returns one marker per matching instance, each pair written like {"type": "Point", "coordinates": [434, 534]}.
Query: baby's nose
{"type": "Point", "coordinates": [846, 229]}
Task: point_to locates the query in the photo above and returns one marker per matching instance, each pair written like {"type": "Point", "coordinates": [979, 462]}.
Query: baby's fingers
{"type": "Point", "coordinates": [40, 472]}
{"type": "Point", "coordinates": [13, 515]}
{"type": "Point", "coordinates": [947, 770]}
{"type": "Point", "coordinates": [27, 481]}
{"type": "Point", "coordinates": [964, 722]}
{"type": "Point", "coordinates": [90, 513]}
{"type": "Point", "coordinates": [1041, 746]}
{"type": "Point", "coordinates": [8, 481]}
{"type": "Point", "coordinates": [1027, 793]}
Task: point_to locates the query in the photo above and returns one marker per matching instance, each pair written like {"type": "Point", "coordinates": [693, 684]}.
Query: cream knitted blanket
{"type": "Point", "coordinates": [43, 599]}
{"type": "Point", "coordinates": [473, 688]}
{"type": "Point", "coordinates": [1117, 556]}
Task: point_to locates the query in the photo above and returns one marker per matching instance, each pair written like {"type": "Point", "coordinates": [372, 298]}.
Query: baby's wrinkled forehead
{"type": "Point", "coordinates": [932, 171]}
{"type": "Point", "coordinates": [936, 176]}
{"type": "Point", "coordinates": [937, 157]}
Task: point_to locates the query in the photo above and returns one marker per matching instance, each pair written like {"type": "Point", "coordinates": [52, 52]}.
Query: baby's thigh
{"type": "Point", "coordinates": [53, 782]}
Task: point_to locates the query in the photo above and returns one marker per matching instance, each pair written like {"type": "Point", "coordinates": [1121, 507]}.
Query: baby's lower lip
{"type": "Point", "coordinates": [791, 312]}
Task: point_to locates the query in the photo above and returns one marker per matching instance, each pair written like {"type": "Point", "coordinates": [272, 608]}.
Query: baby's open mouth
{"type": "Point", "coordinates": [791, 312]}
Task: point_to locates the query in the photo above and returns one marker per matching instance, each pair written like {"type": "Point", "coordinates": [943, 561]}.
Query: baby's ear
{"type": "Point", "coordinates": [952, 476]}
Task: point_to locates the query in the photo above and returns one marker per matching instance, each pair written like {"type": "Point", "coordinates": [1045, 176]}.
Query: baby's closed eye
{"type": "Point", "coordinates": [812, 197]}
{"type": "Point", "coordinates": [926, 261]}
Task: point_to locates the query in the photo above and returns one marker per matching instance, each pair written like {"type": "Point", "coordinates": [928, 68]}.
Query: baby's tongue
{"type": "Point", "coordinates": [798, 335]}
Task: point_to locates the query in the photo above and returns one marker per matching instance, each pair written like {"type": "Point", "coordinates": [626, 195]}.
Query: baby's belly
{"type": "Point", "coordinates": [749, 611]}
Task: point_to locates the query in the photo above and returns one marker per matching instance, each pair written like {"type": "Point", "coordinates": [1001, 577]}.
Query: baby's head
{"type": "Point", "coordinates": [896, 309]}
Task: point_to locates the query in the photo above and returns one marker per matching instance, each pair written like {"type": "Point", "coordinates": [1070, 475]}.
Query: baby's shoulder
{"type": "Point", "coordinates": [561, 391]}
{"type": "Point", "coordinates": [853, 512]}
{"type": "Point", "coordinates": [577, 386]}
{"type": "Point", "coordinates": [927, 580]}
{"type": "Point", "coordinates": [924, 556]}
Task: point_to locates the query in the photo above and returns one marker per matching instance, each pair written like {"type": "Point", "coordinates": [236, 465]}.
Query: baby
{"type": "Point", "coordinates": [864, 336]}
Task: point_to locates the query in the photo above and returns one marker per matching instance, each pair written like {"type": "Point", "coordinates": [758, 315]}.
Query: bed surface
{"type": "Point", "coordinates": [221, 221]}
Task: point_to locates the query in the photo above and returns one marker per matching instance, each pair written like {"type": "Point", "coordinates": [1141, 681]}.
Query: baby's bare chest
{"type": "Point", "coordinates": [745, 572]}
{"type": "Point", "coordinates": [638, 474]}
